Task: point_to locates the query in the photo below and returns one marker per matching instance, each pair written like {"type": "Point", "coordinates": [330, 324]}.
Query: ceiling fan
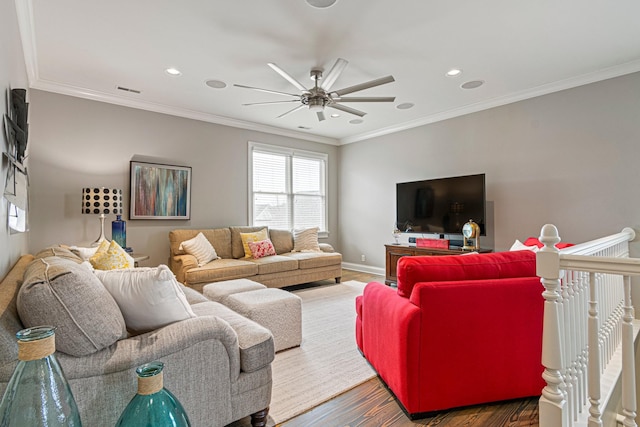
{"type": "Point", "coordinates": [320, 95]}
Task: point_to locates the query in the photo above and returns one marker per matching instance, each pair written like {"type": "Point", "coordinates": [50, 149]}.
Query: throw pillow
{"type": "Point", "coordinates": [262, 249]}
{"type": "Point", "coordinates": [110, 256]}
{"type": "Point", "coordinates": [84, 253]}
{"type": "Point", "coordinates": [67, 295]}
{"type": "Point", "coordinates": [534, 241]}
{"type": "Point", "coordinates": [519, 246]}
{"type": "Point", "coordinates": [149, 298]}
{"type": "Point", "coordinates": [252, 237]}
{"type": "Point", "coordinates": [306, 240]}
{"type": "Point", "coordinates": [201, 248]}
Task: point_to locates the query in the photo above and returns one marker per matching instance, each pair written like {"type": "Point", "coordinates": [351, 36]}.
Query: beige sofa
{"type": "Point", "coordinates": [217, 364]}
{"type": "Point", "coordinates": [284, 269]}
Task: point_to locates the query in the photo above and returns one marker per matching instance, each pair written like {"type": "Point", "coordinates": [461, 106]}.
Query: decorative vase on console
{"type": "Point", "coordinates": [153, 405]}
{"type": "Point", "coordinates": [38, 393]}
{"type": "Point", "coordinates": [119, 231]}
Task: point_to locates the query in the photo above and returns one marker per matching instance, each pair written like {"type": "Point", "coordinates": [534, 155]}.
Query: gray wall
{"type": "Point", "coordinates": [12, 75]}
{"type": "Point", "coordinates": [80, 143]}
{"type": "Point", "coordinates": [568, 158]}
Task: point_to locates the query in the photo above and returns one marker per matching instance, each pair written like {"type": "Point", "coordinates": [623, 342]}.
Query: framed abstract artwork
{"type": "Point", "coordinates": [159, 191]}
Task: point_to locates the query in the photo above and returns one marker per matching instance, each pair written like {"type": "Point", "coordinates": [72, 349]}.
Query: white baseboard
{"type": "Point", "coordinates": [363, 268]}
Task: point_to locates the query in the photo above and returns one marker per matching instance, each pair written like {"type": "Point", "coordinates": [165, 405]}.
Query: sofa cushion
{"type": "Point", "coordinates": [306, 240]}
{"type": "Point", "coordinates": [308, 260]}
{"type": "Point", "coordinates": [220, 239]}
{"type": "Point", "coordinates": [199, 247]}
{"type": "Point", "coordinates": [255, 341]}
{"type": "Point", "coordinates": [275, 264]}
{"type": "Point", "coordinates": [59, 251]}
{"type": "Point", "coordinates": [237, 250]}
{"type": "Point", "coordinates": [256, 236]}
{"type": "Point", "coordinates": [282, 240]}
{"type": "Point", "coordinates": [149, 298]}
{"type": "Point", "coordinates": [221, 269]}
{"type": "Point", "coordinates": [68, 296]}
{"type": "Point", "coordinates": [499, 265]}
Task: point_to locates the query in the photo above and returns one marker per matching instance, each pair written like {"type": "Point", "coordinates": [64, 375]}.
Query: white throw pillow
{"type": "Point", "coordinates": [306, 240]}
{"type": "Point", "coordinates": [149, 298]}
{"type": "Point", "coordinates": [519, 246]}
{"type": "Point", "coordinates": [84, 253]}
{"type": "Point", "coordinates": [201, 248]}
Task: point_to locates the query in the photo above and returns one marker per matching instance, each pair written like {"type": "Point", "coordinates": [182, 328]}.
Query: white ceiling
{"type": "Point", "coordinates": [519, 48]}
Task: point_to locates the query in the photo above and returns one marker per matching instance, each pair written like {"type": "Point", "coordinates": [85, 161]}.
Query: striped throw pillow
{"type": "Point", "coordinates": [200, 248]}
{"type": "Point", "coordinates": [306, 240]}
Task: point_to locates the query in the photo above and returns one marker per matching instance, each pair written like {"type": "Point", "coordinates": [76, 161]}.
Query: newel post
{"type": "Point", "coordinates": [553, 402]}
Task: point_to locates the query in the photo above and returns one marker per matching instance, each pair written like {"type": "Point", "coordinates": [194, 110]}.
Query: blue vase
{"type": "Point", "coordinates": [119, 231]}
{"type": "Point", "coordinates": [153, 405]}
{"type": "Point", "coordinates": [38, 394]}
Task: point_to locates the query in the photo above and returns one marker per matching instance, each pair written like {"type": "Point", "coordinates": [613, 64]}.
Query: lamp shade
{"type": "Point", "coordinates": [102, 200]}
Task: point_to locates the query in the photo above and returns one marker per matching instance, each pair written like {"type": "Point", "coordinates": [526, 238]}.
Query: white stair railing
{"type": "Point", "coordinates": [588, 329]}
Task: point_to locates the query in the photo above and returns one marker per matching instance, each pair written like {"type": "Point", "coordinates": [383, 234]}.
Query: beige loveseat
{"type": "Point", "coordinates": [218, 364]}
{"type": "Point", "coordinates": [284, 269]}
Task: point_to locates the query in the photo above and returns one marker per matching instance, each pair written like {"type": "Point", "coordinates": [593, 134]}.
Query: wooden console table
{"type": "Point", "coordinates": [395, 252]}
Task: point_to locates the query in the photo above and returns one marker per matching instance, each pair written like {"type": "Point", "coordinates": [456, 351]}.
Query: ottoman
{"type": "Point", "coordinates": [219, 291]}
{"type": "Point", "coordinates": [275, 309]}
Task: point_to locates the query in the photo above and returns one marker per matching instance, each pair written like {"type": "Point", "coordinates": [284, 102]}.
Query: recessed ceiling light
{"type": "Point", "coordinates": [321, 4]}
{"type": "Point", "coordinates": [173, 71]}
{"type": "Point", "coordinates": [454, 72]}
{"type": "Point", "coordinates": [356, 121]}
{"type": "Point", "coordinates": [216, 84]}
{"type": "Point", "coordinates": [335, 115]}
{"type": "Point", "coordinates": [405, 106]}
{"type": "Point", "coordinates": [304, 127]}
{"type": "Point", "coordinates": [472, 84]}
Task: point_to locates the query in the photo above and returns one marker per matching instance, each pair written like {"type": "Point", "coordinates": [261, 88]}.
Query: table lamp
{"type": "Point", "coordinates": [101, 201]}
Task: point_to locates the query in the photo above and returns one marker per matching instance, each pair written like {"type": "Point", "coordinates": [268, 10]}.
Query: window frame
{"type": "Point", "coordinates": [290, 153]}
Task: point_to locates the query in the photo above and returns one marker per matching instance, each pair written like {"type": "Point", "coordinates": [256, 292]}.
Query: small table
{"type": "Point", "coordinates": [138, 258]}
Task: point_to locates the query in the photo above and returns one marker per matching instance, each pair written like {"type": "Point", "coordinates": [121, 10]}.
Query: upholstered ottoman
{"type": "Point", "coordinates": [219, 291]}
{"type": "Point", "coordinates": [275, 309]}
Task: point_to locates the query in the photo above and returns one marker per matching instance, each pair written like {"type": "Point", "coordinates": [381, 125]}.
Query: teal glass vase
{"type": "Point", "coordinates": [119, 231]}
{"type": "Point", "coordinates": [153, 405]}
{"type": "Point", "coordinates": [38, 394]}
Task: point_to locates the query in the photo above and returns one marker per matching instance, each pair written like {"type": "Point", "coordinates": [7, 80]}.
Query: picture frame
{"type": "Point", "coordinates": [159, 191]}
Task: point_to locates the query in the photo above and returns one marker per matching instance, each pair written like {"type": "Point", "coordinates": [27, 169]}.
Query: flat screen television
{"type": "Point", "coordinates": [441, 206]}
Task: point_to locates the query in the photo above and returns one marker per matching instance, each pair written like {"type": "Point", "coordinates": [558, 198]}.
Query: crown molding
{"type": "Point", "coordinates": [604, 74]}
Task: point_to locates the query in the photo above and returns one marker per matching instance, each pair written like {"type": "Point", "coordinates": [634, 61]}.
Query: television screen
{"type": "Point", "coordinates": [441, 206]}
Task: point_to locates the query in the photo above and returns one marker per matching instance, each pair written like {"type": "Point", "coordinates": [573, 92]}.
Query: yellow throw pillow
{"type": "Point", "coordinates": [110, 256]}
{"type": "Point", "coordinates": [252, 237]}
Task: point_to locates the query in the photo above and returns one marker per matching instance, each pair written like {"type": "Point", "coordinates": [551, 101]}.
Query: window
{"type": "Point", "coordinates": [288, 187]}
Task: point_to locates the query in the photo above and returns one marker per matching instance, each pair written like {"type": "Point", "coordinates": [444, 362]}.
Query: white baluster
{"type": "Point", "coordinates": [628, 363]}
{"type": "Point", "coordinates": [595, 415]}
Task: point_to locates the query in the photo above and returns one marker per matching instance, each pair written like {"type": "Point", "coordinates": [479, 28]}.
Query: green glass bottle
{"type": "Point", "coordinates": [38, 394]}
{"type": "Point", "coordinates": [153, 405]}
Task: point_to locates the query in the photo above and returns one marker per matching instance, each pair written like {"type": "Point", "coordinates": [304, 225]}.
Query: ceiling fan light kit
{"type": "Point", "coordinates": [320, 95]}
{"type": "Point", "coordinates": [321, 4]}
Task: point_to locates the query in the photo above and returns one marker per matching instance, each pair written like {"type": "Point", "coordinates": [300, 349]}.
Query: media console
{"type": "Point", "coordinates": [395, 252]}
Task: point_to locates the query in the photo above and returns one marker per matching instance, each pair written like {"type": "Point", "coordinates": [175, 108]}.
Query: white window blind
{"type": "Point", "coordinates": [288, 187]}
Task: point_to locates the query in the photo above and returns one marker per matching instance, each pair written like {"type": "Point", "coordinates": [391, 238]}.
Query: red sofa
{"type": "Point", "coordinates": [459, 330]}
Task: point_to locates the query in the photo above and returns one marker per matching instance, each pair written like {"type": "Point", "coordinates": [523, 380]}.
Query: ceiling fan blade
{"type": "Point", "coordinates": [288, 77]}
{"type": "Point", "coordinates": [363, 86]}
{"type": "Point", "coordinates": [347, 109]}
{"type": "Point", "coordinates": [333, 74]}
{"type": "Point", "coordinates": [365, 99]}
{"type": "Point", "coordinates": [272, 102]}
{"type": "Point", "coordinates": [291, 111]}
{"type": "Point", "coordinates": [321, 116]}
{"type": "Point", "coordinates": [267, 90]}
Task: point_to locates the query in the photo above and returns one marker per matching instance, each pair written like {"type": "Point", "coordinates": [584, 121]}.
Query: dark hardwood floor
{"type": "Point", "coordinates": [372, 405]}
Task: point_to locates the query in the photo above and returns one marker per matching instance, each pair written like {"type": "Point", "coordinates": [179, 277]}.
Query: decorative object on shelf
{"type": "Point", "coordinates": [101, 201]}
{"type": "Point", "coordinates": [396, 232]}
{"type": "Point", "coordinates": [119, 231]}
{"type": "Point", "coordinates": [471, 230]}
{"type": "Point", "coordinates": [153, 405]}
{"type": "Point", "coordinates": [17, 180]}
{"type": "Point", "coordinates": [38, 393]}
{"type": "Point", "coordinates": [160, 191]}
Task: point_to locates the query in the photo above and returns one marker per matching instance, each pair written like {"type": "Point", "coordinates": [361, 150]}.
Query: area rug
{"type": "Point", "coordinates": [327, 363]}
